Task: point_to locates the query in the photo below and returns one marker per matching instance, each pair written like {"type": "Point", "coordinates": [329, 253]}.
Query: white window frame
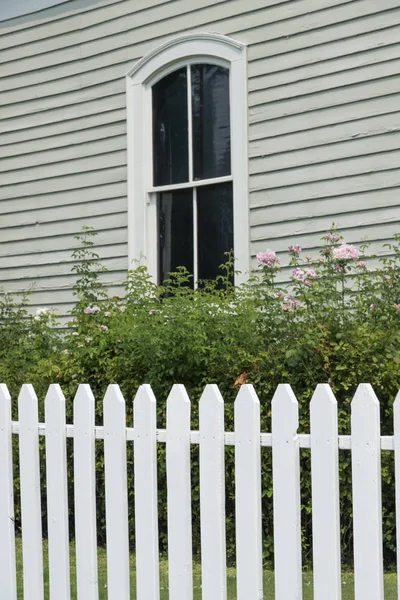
{"type": "Point", "coordinates": [142, 196]}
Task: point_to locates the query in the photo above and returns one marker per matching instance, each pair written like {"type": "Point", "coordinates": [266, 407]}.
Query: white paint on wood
{"type": "Point", "coordinates": [248, 495]}
{"type": "Point", "coordinates": [325, 494]}
{"type": "Point", "coordinates": [146, 515]}
{"type": "Point", "coordinates": [212, 494]}
{"type": "Point", "coordinates": [367, 495]}
{"type": "Point", "coordinates": [286, 494]}
{"type": "Point", "coordinates": [85, 494]}
{"type": "Point", "coordinates": [116, 494]}
{"type": "Point", "coordinates": [31, 511]}
{"type": "Point", "coordinates": [179, 507]}
{"type": "Point", "coordinates": [7, 532]}
{"type": "Point", "coordinates": [396, 423]}
{"type": "Point", "coordinates": [57, 494]}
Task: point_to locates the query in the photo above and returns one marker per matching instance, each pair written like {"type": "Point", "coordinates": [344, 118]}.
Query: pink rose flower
{"type": "Point", "coordinates": [298, 274]}
{"type": "Point", "coordinates": [295, 249]}
{"type": "Point", "coordinates": [87, 310]}
{"type": "Point", "coordinates": [346, 252]}
{"type": "Point", "coordinates": [268, 258]}
{"type": "Point", "coordinates": [311, 273]}
{"type": "Point", "coordinates": [96, 309]}
{"type": "Point", "coordinates": [307, 282]}
{"type": "Point", "coordinates": [362, 264]}
{"type": "Point", "coordinates": [104, 327]}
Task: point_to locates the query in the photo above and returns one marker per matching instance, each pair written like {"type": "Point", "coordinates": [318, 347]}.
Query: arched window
{"type": "Point", "coordinates": [187, 157]}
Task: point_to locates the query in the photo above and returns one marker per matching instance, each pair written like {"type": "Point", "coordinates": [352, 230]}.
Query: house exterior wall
{"type": "Point", "coordinates": [324, 125]}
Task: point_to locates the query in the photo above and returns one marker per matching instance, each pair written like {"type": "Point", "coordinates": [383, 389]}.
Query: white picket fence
{"type": "Point", "coordinates": [365, 444]}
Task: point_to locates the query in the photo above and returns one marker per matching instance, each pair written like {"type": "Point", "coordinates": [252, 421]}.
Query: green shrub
{"type": "Point", "coordinates": [337, 323]}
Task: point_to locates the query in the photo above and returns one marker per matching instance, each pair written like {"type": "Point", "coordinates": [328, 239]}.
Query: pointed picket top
{"type": "Point", "coordinates": [144, 397]}
{"type": "Point", "coordinates": [178, 400]}
{"type": "Point", "coordinates": [114, 412]}
{"type": "Point", "coordinates": [284, 402]}
{"type": "Point", "coordinates": [55, 401]}
{"type": "Point", "coordinates": [27, 400]}
{"type": "Point", "coordinates": [84, 397]}
{"type": "Point", "coordinates": [211, 396]}
{"type": "Point", "coordinates": [365, 413]}
{"type": "Point", "coordinates": [365, 396]}
{"type": "Point", "coordinates": [323, 410]}
{"type": "Point", "coordinates": [396, 411]}
{"type": "Point", "coordinates": [247, 399]}
{"type": "Point", "coordinates": [5, 407]}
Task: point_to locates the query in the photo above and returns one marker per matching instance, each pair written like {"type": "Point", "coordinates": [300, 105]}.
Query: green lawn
{"type": "Point", "coordinates": [347, 580]}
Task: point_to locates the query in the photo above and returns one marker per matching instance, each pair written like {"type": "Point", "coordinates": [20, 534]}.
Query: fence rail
{"type": "Point", "coordinates": [365, 444]}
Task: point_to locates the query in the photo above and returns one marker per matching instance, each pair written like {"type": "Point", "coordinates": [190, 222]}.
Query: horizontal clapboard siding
{"type": "Point", "coordinates": [324, 125]}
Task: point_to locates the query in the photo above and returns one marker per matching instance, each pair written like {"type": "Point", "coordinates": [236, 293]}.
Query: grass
{"type": "Point", "coordinates": [347, 579]}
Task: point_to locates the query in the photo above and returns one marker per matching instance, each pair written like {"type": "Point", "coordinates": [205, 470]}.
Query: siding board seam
{"type": "Point", "coordinates": [326, 179]}
{"type": "Point", "coordinates": [322, 108]}
{"type": "Point", "coordinates": [133, 12]}
{"type": "Point", "coordinates": [316, 164]}
{"type": "Point", "coordinates": [42, 222]}
{"type": "Point", "coordinates": [322, 231]}
{"type": "Point", "coordinates": [264, 206]}
{"type": "Point", "coordinates": [63, 160]}
{"type": "Point", "coordinates": [352, 138]}
{"type": "Point", "coordinates": [62, 206]}
{"type": "Point", "coordinates": [214, 23]}
{"type": "Point", "coordinates": [255, 138]}
{"type": "Point", "coordinates": [59, 135]}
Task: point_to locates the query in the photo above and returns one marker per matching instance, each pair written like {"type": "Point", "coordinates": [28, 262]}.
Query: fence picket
{"type": "Point", "coordinates": [8, 587]}
{"type": "Point", "coordinates": [179, 507]}
{"type": "Point", "coordinates": [325, 494]}
{"type": "Point", "coordinates": [248, 495]}
{"type": "Point", "coordinates": [212, 494]}
{"type": "Point", "coordinates": [57, 494]}
{"type": "Point", "coordinates": [396, 431]}
{"type": "Point", "coordinates": [85, 495]}
{"type": "Point", "coordinates": [31, 511]}
{"type": "Point", "coordinates": [367, 497]}
{"type": "Point", "coordinates": [146, 516]}
{"type": "Point", "coordinates": [115, 465]}
{"type": "Point", "coordinates": [286, 494]}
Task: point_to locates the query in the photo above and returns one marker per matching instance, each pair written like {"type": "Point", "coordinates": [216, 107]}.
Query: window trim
{"type": "Point", "coordinates": [142, 202]}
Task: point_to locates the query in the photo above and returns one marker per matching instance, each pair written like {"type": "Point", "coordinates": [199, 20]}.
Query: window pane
{"type": "Point", "coordinates": [170, 129]}
{"type": "Point", "coordinates": [214, 228]}
{"type": "Point", "coordinates": [175, 218]}
{"type": "Point", "coordinates": [211, 122]}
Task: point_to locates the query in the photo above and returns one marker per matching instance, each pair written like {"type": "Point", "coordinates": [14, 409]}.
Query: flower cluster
{"type": "Point", "coordinates": [346, 252]}
{"type": "Point", "coordinates": [295, 249]}
{"type": "Point", "coordinates": [91, 310]}
{"type": "Point", "coordinates": [268, 258]}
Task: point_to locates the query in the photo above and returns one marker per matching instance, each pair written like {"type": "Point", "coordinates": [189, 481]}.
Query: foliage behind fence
{"type": "Point", "coordinates": [337, 323]}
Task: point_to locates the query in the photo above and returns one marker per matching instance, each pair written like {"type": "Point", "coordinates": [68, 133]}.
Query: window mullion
{"type": "Point", "coordinates": [195, 240]}
{"type": "Point", "coordinates": [190, 121]}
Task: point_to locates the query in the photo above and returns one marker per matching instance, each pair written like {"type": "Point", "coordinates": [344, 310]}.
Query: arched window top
{"type": "Point", "coordinates": [201, 47]}
{"type": "Point", "coordinates": [188, 156]}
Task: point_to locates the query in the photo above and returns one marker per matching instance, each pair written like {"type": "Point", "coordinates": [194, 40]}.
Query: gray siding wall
{"type": "Point", "coordinates": [324, 125]}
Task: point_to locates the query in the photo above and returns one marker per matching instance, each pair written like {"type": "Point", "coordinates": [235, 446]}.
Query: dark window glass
{"type": "Point", "coordinates": [211, 122]}
{"type": "Point", "coordinates": [214, 228]}
{"type": "Point", "coordinates": [175, 218]}
{"type": "Point", "coordinates": [170, 129]}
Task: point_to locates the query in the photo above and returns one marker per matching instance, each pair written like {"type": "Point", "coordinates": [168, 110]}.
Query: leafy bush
{"type": "Point", "coordinates": [337, 322]}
